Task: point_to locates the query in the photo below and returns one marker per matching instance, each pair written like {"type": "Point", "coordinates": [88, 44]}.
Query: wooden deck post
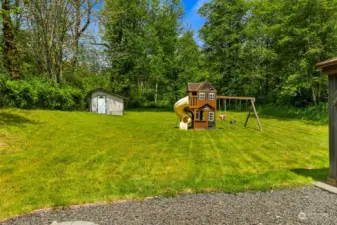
{"type": "Point", "coordinates": [329, 67]}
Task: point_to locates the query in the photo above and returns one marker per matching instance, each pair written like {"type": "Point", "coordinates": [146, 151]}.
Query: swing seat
{"type": "Point", "coordinates": [222, 116]}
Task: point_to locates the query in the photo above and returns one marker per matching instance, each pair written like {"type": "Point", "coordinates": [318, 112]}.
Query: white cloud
{"type": "Point", "coordinates": [200, 3]}
{"type": "Point", "coordinates": [194, 21]}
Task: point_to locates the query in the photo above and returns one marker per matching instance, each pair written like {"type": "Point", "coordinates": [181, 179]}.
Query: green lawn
{"type": "Point", "coordinates": [52, 158]}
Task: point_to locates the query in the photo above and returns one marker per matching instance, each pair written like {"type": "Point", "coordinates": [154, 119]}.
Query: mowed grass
{"type": "Point", "coordinates": [53, 158]}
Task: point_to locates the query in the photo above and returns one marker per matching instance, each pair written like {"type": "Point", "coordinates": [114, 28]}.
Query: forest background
{"type": "Point", "coordinates": [142, 49]}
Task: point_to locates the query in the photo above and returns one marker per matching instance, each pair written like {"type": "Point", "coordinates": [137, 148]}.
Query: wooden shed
{"type": "Point", "coordinates": [105, 102]}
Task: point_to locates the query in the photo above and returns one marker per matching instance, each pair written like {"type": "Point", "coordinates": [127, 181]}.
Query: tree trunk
{"type": "Point", "coordinates": [314, 99]}
{"type": "Point", "coordinates": [77, 25]}
{"type": "Point", "coordinates": [75, 52]}
{"type": "Point", "coordinates": [49, 62]}
{"type": "Point", "coordinates": [58, 66]}
{"type": "Point", "coordinates": [319, 93]}
{"type": "Point", "coordinates": [78, 30]}
{"type": "Point", "coordinates": [156, 93]}
{"type": "Point", "coordinates": [10, 52]}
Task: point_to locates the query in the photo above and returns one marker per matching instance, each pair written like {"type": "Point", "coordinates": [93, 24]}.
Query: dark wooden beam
{"type": "Point", "coordinates": [329, 67]}
{"type": "Point", "coordinates": [327, 63]}
{"type": "Point", "coordinates": [235, 97]}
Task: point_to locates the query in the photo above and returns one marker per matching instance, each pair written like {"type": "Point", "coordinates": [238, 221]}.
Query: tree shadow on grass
{"type": "Point", "coordinates": [316, 174]}
{"type": "Point", "coordinates": [14, 120]}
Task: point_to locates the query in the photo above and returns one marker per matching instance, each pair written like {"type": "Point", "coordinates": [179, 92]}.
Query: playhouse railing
{"type": "Point", "coordinates": [193, 100]}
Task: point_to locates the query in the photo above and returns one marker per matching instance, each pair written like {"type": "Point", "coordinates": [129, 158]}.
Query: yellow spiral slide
{"type": "Point", "coordinates": [179, 109]}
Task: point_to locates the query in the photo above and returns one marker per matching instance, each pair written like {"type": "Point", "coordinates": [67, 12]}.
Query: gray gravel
{"type": "Point", "coordinates": [307, 205]}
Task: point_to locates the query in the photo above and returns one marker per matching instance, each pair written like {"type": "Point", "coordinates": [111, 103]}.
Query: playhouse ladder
{"type": "Point", "coordinates": [257, 117]}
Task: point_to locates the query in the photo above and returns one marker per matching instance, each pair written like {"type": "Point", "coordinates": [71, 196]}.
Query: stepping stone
{"type": "Point", "coordinates": [74, 223]}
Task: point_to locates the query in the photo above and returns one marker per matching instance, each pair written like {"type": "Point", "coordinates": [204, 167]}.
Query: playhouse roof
{"type": "Point", "coordinates": [197, 86]}
{"type": "Point", "coordinates": [193, 86]}
{"type": "Point", "coordinates": [205, 106]}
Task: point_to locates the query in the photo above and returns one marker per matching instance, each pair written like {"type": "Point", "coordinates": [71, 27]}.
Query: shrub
{"type": "Point", "coordinates": [318, 113]}
{"type": "Point", "coordinates": [39, 93]}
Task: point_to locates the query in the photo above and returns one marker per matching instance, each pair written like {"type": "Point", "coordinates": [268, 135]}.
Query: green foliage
{"type": "Point", "coordinates": [264, 49]}
{"type": "Point", "coordinates": [223, 34]}
{"type": "Point", "coordinates": [96, 81]}
{"type": "Point", "coordinates": [268, 49]}
{"type": "Point", "coordinates": [39, 93]}
{"type": "Point", "coordinates": [144, 102]}
{"type": "Point", "coordinates": [150, 62]}
{"type": "Point", "coordinates": [318, 113]}
{"type": "Point", "coordinates": [188, 62]}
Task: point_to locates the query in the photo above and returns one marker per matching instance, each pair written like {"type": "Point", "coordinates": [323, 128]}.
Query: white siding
{"type": "Point", "coordinates": [94, 104]}
{"type": "Point", "coordinates": [114, 105]}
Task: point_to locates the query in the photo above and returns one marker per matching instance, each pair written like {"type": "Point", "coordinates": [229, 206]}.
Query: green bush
{"type": "Point", "coordinates": [142, 102]}
{"type": "Point", "coordinates": [318, 113]}
{"type": "Point", "coordinates": [39, 93]}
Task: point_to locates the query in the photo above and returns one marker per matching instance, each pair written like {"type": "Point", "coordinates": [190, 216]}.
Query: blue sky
{"type": "Point", "coordinates": [191, 18]}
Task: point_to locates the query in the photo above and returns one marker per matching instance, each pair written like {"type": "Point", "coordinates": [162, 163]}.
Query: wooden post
{"type": "Point", "coordinates": [247, 119]}
{"type": "Point", "coordinates": [257, 117]}
{"type": "Point", "coordinates": [329, 67]}
{"type": "Point", "coordinates": [255, 113]}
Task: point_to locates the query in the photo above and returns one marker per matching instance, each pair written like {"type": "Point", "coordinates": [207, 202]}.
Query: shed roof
{"type": "Point", "coordinates": [197, 86]}
{"type": "Point", "coordinates": [106, 91]}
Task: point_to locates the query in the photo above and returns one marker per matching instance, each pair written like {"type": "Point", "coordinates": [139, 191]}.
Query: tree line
{"type": "Point", "coordinates": [143, 50]}
{"type": "Point", "coordinates": [269, 49]}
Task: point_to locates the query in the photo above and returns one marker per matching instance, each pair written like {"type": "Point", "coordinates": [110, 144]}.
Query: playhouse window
{"type": "Point", "coordinates": [201, 96]}
{"type": "Point", "coordinates": [201, 115]}
{"type": "Point", "coordinates": [211, 96]}
{"type": "Point", "coordinates": [211, 116]}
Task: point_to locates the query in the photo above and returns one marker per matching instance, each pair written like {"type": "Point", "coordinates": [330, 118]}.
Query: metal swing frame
{"type": "Point", "coordinates": [251, 110]}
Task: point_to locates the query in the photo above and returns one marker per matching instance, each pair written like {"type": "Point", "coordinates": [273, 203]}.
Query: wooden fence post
{"type": "Point", "coordinates": [329, 67]}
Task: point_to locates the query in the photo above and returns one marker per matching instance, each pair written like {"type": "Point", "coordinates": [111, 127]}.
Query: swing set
{"type": "Point", "coordinates": [251, 109]}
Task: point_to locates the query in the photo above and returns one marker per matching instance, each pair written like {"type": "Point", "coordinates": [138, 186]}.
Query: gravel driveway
{"type": "Point", "coordinates": [307, 205]}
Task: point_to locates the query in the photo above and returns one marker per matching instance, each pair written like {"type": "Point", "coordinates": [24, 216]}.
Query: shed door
{"type": "Point", "coordinates": [101, 105]}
